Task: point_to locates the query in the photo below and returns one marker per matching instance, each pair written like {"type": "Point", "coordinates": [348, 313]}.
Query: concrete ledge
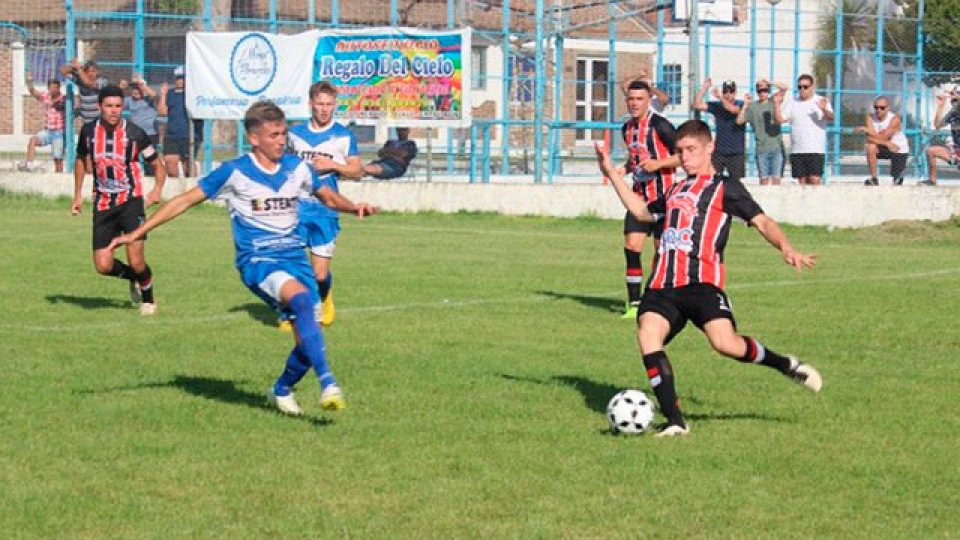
{"type": "Point", "coordinates": [840, 205]}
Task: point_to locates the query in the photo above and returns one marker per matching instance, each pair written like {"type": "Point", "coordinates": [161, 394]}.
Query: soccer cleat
{"type": "Point", "coordinates": [331, 398]}
{"type": "Point", "coordinates": [630, 312]}
{"type": "Point", "coordinates": [147, 309]}
{"type": "Point", "coordinates": [871, 182]}
{"type": "Point", "coordinates": [671, 430]}
{"type": "Point", "coordinates": [805, 374]}
{"type": "Point", "coordinates": [327, 311]}
{"type": "Point", "coordinates": [135, 296]}
{"type": "Point", "coordinates": [285, 325]}
{"type": "Point", "coordinates": [285, 404]}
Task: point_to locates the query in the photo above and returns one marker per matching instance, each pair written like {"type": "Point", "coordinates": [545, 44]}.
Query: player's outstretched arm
{"type": "Point", "coordinates": [79, 170]}
{"type": "Point", "coordinates": [338, 202]}
{"type": "Point", "coordinates": [771, 231]}
{"type": "Point", "coordinates": [173, 208]}
{"type": "Point", "coordinates": [631, 201]}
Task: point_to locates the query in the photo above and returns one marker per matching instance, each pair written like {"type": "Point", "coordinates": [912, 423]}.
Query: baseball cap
{"type": "Point", "coordinates": [178, 72]}
{"type": "Point", "coordinates": [729, 86]}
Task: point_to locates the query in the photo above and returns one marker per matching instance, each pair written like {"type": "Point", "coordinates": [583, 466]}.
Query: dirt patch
{"type": "Point", "coordinates": [912, 231]}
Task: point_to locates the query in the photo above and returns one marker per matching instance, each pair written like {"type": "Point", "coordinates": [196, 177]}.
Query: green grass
{"type": "Point", "coordinates": [477, 353]}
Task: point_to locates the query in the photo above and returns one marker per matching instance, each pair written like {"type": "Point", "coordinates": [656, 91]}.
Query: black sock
{"type": "Point", "coordinates": [634, 275]}
{"type": "Point", "coordinates": [122, 271]}
{"type": "Point", "coordinates": [661, 380]}
{"type": "Point", "coordinates": [758, 354]}
{"type": "Point", "coordinates": [324, 285]}
{"type": "Point", "coordinates": [145, 280]}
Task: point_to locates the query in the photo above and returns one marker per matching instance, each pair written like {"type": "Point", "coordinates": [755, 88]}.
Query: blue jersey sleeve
{"type": "Point", "coordinates": [213, 183]}
{"type": "Point", "coordinates": [352, 151]}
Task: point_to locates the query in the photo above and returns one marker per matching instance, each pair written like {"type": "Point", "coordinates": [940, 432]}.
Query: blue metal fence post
{"type": "Point", "coordinates": [707, 44]}
{"type": "Point", "coordinates": [335, 13]}
{"type": "Point", "coordinates": [473, 152]}
{"type": "Point", "coordinates": [273, 16]}
{"type": "Point", "coordinates": [394, 14]}
{"type": "Point", "coordinates": [773, 31]}
{"type": "Point", "coordinates": [311, 13]}
{"type": "Point", "coordinates": [138, 42]}
{"type": "Point", "coordinates": [918, 140]}
{"type": "Point", "coordinates": [208, 124]}
{"type": "Point", "coordinates": [486, 154]}
{"type": "Point", "coordinates": [538, 98]}
{"type": "Point", "coordinates": [71, 52]}
{"type": "Point", "coordinates": [878, 68]}
{"type": "Point", "coordinates": [753, 43]}
{"type": "Point", "coordinates": [557, 109]}
{"type": "Point", "coordinates": [796, 40]}
{"type": "Point", "coordinates": [837, 84]}
{"type": "Point", "coordinates": [659, 67]}
{"type": "Point", "coordinates": [451, 20]}
{"type": "Point", "coordinates": [505, 89]}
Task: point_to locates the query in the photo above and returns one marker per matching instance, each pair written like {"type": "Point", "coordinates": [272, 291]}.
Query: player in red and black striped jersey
{"type": "Point", "coordinates": [649, 138]}
{"type": "Point", "coordinates": [688, 275]}
{"type": "Point", "coordinates": [113, 148]}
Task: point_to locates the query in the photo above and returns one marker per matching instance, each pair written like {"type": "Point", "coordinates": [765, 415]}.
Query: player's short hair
{"type": "Point", "coordinates": [807, 77]}
{"type": "Point", "coordinates": [638, 85]}
{"type": "Point", "coordinates": [698, 129]}
{"type": "Point", "coordinates": [322, 87]}
{"type": "Point", "coordinates": [260, 113]}
{"type": "Point", "coordinates": [53, 81]}
{"type": "Point", "coordinates": [109, 91]}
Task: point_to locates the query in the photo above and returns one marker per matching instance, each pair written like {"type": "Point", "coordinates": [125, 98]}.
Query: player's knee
{"type": "Point", "coordinates": [728, 345]}
{"type": "Point", "coordinates": [102, 266]}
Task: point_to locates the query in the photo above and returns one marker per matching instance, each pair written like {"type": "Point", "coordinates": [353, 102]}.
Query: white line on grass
{"type": "Point", "coordinates": [447, 303]}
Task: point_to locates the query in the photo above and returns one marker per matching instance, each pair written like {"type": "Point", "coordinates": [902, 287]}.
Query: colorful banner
{"type": "Point", "coordinates": [229, 71]}
{"type": "Point", "coordinates": [400, 75]}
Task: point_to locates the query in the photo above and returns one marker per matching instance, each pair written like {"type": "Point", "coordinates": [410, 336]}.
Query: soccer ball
{"type": "Point", "coordinates": [630, 412]}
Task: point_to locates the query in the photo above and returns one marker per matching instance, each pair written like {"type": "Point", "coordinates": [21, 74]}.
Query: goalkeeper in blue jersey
{"type": "Point", "coordinates": [331, 149]}
{"type": "Point", "coordinates": [263, 191]}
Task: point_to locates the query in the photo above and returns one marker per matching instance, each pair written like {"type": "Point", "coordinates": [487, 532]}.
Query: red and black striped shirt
{"type": "Point", "coordinates": [696, 222]}
{"type": "Point", "coordinates": [114, 153]}
{"type": "Point", "coordinates": [650, 137]}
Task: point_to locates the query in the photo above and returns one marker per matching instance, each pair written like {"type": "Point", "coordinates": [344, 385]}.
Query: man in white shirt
{"type": "Point", "coordinates": [808, 116]}
{"type": "Point", "coordinates": [885, 140]}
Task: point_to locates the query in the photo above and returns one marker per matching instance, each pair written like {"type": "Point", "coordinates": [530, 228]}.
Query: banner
{"type": "Point", "coordinates": [405, 76]}
{"type": "Point", "coordinates": [229, 71]}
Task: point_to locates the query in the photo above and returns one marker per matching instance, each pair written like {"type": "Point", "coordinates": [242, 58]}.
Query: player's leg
{"type": "Point", "coordinates": [871, 151]}
{"type": "Point", "coordinates": [660, 321]}
{"type": "Point", "coordinates": [634, 236]}
{"type": "Point", "coordinates": [321, 236]}
{"type": "Point", "coordinates": [105, 227]}
{"type": "Point", "coordinates": [132, 214]}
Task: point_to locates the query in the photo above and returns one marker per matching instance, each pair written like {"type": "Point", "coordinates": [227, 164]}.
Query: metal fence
{"type": "Point", "coordinates": [547, 73]}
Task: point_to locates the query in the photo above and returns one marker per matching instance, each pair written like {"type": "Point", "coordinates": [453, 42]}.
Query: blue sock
{"type": "Point", "coordinates": [311, 344]}
{"type": "Point", "coordinates": [297, 366]}
{"type": "Point", "coordinates": [324, 285]}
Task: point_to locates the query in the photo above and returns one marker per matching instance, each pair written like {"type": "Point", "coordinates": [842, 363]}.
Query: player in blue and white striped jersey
{"type": "Point", "coordinates": [263, 191]}
{"type": "Point", "coordinates": [331, 150]}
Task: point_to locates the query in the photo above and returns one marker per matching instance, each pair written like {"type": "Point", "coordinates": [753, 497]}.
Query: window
{"type": "Point", "coordinates": [672, 82]}
{"type": "Point", "coordinates": [478, 68]}
{"type": "Point", "coordinates": [523, 71]}
{"type": "Point", "coordinates": [592, 102]}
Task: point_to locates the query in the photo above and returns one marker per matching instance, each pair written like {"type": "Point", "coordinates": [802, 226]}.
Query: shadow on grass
{"type": "Point", "coordinates": [214, 389]}
{"type": "Point", "coordinates": [258, 312]}
{"type": "Point", "coordinates": [89, 302]}
{"type": "Point", "coordinates": [604, 303]}
{"type": "Point", "coordinates": [596, 395]}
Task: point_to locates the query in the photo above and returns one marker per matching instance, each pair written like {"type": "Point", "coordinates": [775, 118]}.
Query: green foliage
{"type": "Point", "coordinates": [477, 353]}
{"type": "Point", "coordinates": [176, 6]}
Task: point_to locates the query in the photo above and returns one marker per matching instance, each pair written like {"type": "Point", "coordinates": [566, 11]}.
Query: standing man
{"type": "Point", "coordinates": [139, 106]}
{"type": "Point", "coordinates": [885, 140]}
{"type": "Point", "coordinates": [262, 190]}
{"type": "Point", "coordinates": [113, 147]}
{"type": "Point", "coordinates": [176, 142]}
{"type": "Point", "coordinates": [331, 149]}
{"type": "Point", "coordinates": [767, 133]}
{"type": "Point", "coordinates": [88, 81]}
{"type": "Point", "coordinates": [948, 112]}
{"type": "Point", "coordinates": [688, 275]}
{"type": "Point", "coordinates": [808, 116]}
{"type": "Point", "coordinates": [648, 137]}
{"type": "Point", "coordinates": [53, 105]}
{"type": "Point", "coordinates": [729, 157]}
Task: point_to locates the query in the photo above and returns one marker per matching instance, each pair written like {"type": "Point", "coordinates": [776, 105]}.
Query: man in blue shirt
{"type": "Point", "coordinates": [728, 158]}
{"type": "Point", "coordinates": [176, 142]}
{"type": "Point", "coordinates": [331, 149]}
{"type": "Point", "coordinates": [262, 190]}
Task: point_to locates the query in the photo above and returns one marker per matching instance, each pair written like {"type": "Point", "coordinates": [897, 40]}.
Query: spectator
{"type": "Point", "coordinates": [767, 133]}
{"type": "Point", "coordinates": [89, 82]}
{"type": "Point", "coordinates": [949, 152]}
{"type": "Point", "coordinates": [176, 143]}
{"type": "Point", "coordinates": [659, 99]}
{"type": "Point", "coordinates": [808, 116]}
{"type": "Point", "coordinates": [142, 113]}
{"type": "Point", "coordinates": [53, 104]}
{"type": "Point", "coordinates": [394, 157]}
{"type": "Point", "coordinates": [728, 157]}
{"type": "Point", "coordinates": [885, 140]}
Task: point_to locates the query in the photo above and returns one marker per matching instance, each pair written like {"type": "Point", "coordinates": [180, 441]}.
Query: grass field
{"type": "Point", "coordinates": [477, 353]}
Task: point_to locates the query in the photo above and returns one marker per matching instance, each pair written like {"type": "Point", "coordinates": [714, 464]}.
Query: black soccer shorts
{"type": "Point", "coordinates": [699, 303]}
{"type": "Point", "coordinates": [115, 221]}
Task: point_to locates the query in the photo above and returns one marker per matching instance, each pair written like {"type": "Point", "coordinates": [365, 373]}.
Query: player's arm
{"type": "Point", "coordinates": [338, 202]}
{"type": "Point", "coordinates": [698, 102]}
{"type": "Point", "coordinates": [79, 170]}
{"type": "Point", "coordinates": [173, 208]}
{"type": "Point", "coordinates": [631, 201]}
{"type": "Point", "coordinates": [771, 231]}
{"type": "Point", "coordinates": [667, 136]}
{"type": "Point", "coordinates": [160, 178]}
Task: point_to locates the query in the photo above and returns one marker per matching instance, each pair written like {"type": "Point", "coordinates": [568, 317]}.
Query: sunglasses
{"type": "Point", "coordinates": [759, 90]}
{"type": "Point", "coordinates": [880, 107]}
{"type": "Point", "coordinates": [803, 86]}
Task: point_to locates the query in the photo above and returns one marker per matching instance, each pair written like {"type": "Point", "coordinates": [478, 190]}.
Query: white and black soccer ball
{"type": "Point", "coordinates": [630, 412]}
